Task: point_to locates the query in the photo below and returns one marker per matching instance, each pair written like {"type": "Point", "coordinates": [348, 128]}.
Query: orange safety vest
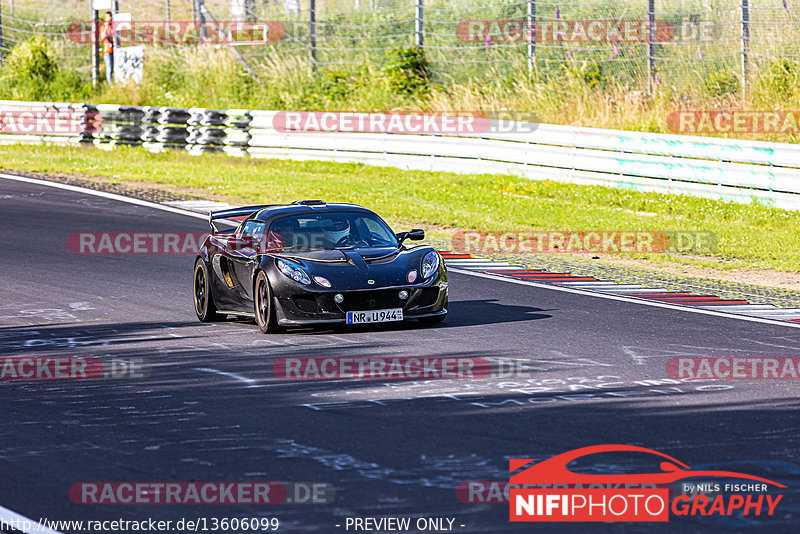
{"type": "Point", "coordinates": [107, 35]}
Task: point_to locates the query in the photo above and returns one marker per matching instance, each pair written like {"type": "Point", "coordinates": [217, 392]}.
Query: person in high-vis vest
{"type": "Point", "coordinates": [107, 38]}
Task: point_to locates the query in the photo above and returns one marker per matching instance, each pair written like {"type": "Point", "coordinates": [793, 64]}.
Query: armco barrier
{"type": "Point", "coordinates": [726, 169]}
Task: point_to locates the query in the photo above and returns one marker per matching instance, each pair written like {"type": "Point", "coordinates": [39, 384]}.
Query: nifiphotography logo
{"type": "Point", "coordinates": [643, 497]}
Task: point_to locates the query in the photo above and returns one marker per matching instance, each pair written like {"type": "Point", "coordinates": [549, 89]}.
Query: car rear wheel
{"type": "Point", "coordinates": [203, 301]}
{"type": "Point", "coordinates": [262, 301]}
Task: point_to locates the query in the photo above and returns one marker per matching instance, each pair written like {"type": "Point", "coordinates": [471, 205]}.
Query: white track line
{"type": "Point", "coordinates": [560, 288]}
{"type": "Point", "coordinates": [602, 287]}
{"type": "Point", "coordinates": [18, 522]}
{"type": "Point", "coordinates": [114, 196]}
{"type": "Point", "coordinates": [597, 284]}
{"type": "Point", "coordinates": [249, 381]}
{"type": "Point", "coordinates": [623, 298]}
{"type": "Point", "coordinates": [478, 264]}
{"type": "Point", "coordinates": [104, 194]}
{"type": "Point", "coordinates": [203, 206]}
{"type": "Point", "coordinates": [495, 268]}
{"type": "Point", "coordinates": [743, 307]}
{"type": "Point", "coordinates": [778, 312]}
{"type": "Point", "coordinates": [645, 290]}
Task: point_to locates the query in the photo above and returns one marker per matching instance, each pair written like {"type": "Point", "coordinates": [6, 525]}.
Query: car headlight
{"type": "Point", "coordinates": [294, 272]}
{"type": "Point", "coordinates": [324, 282]}
{"type": "Point", "coordinates": [430, 263]}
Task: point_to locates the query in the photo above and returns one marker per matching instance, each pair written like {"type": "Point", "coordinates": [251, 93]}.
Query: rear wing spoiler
{"type": "Point", "coordinates": [233, 212]}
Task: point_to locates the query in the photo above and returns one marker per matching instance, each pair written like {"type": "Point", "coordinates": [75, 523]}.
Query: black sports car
{"type": "Point", "coordinates": [310, 263]}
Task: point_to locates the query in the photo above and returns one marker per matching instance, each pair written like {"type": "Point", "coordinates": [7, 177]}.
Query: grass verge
{"type": "Point", "coordinates": [749, 236]}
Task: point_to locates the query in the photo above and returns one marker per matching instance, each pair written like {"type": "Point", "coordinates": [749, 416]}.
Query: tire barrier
{"type": "Point", "coordinates": [719, 168]}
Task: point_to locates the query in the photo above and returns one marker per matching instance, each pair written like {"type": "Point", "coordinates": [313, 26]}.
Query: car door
{"type": "Point", "coordinates": [244, 255]}
{"type": "Point", "coordinates": [232, 255]}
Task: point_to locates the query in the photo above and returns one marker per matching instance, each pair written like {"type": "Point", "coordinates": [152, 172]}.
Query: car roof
{"type": "Point", "coordinates": [272, 212]}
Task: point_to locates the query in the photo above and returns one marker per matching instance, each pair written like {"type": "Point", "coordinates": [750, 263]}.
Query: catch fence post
{"type": "Point", "coordinates": [312, 34]}
{"type": "Point", "coordinates": [531, 31]}
{"type": "Point", "coordinates": [651, 45]}
{"type": "Point", "coordinates": [419, 40]}
{"type": "Point", "coordinates": [1, 30]}
{"type": "Point", "coordinates": [745, 35]}
{"type": "Point", "coordinates": [95, 49]}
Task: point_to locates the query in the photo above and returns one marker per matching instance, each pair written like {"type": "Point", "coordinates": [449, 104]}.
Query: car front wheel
{"type": "Point", "coordinates": [264, 310]}
{"type": "Point", "coordinates": [203, 301]}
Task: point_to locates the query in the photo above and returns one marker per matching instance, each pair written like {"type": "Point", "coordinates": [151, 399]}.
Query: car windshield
{"type": "Point", "coordinates": [330, 230]}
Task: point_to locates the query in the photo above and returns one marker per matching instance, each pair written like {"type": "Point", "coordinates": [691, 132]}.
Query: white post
{"type": "Point", "coordinates": [651, 46]}
{"type": "Point", "coordinates": [745, 34]}
{"type": "Point", "coordinates": [312, 34]}
{"type": "Point", "coordinates": [418, 25]}
{"type": "Point", "coordinates": [531, 34]}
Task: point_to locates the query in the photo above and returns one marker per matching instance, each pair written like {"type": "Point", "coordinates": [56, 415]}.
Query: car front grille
{"type": "Point", "coordinates": [427, 297]}
{"type": "Point", "coordinates": [307, 304]}
{"type": "Point", "coordinates": [371, 300]}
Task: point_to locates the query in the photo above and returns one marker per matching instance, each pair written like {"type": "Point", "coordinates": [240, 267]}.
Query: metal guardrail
{"type": "Point", "coordinates": [727, 169]}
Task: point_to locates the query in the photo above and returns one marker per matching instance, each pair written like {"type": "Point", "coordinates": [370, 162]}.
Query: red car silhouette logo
{"type": "Point", "coordinates": [554, 470]}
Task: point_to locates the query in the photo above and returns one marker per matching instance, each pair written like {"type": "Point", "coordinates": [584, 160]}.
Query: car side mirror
{"type": "Point", "coordinates": [417, 234]}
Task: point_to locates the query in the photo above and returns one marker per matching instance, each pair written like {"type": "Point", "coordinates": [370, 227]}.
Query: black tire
{"type": "Point", "coordinates": [201, 289]}
{"type": "Point", "coordinates": [262, 303]}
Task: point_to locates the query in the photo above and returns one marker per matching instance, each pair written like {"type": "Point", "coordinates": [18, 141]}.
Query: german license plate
{"type": "Point", "coordinates": [375, 316]}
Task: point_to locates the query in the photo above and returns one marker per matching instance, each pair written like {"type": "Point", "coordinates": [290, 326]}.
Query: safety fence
{"type": "Point", "coordinates": [677, 43]}
{"type": "Point", "coordinates": [726, 169]}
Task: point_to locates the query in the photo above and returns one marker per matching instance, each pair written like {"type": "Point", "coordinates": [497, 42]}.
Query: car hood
{"type": "Point", "coordinates": [354, 268]}
{"type": "Point", "coordinates": [343, 255]}
{"type": "Point", "coordinates": [323, 256]}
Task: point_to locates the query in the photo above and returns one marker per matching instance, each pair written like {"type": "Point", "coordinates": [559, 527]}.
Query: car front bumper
{"type": "Point", "coordinates": [296, 306]}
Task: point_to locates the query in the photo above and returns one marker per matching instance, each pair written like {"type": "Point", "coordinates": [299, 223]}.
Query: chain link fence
{"type": "Point", "coordinates": [640, 44]}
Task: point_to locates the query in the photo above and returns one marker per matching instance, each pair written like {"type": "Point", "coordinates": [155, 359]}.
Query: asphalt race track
{"type": "Point", "coordinates": [209, 407]}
